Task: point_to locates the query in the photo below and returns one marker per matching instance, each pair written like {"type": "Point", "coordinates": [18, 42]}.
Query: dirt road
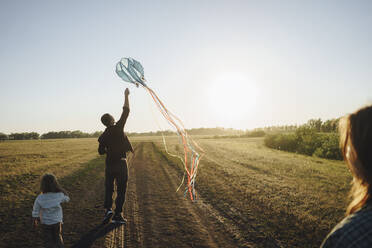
{"type": "Point", "coordinates": [160, 217]}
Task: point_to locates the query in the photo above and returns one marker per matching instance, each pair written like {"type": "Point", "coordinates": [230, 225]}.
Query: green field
{"type": "Point", "coordinates": [249, 195]}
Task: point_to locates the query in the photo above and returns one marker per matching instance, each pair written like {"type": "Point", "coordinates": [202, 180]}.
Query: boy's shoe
{"type": "Point", "coordinates": [108, 215]}
{"type": "Point", "coordinates": [118, 219]}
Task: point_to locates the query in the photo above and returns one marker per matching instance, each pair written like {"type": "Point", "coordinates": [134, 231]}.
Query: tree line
{"type": "Point", "coordinates": [327, 126]}
{"type": "Point", "coordinates": [80, 134]}
{"type": "Point", "coordinates": [49, 135]}
{"type": "Point", "coordinates": [315, 138]}
{"type": "Point", "coordinates": [193, 131]}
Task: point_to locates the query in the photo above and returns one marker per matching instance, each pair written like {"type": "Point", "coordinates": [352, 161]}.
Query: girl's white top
{"type": "Point", "coordinates": [48, 207]}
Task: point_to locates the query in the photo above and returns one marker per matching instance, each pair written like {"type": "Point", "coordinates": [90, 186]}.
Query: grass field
{"type": "Point", "coordinates": [249, 195]}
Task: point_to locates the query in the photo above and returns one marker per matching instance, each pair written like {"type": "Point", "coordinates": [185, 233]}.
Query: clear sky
{"type": "Point", "coordinates": [239, 64]}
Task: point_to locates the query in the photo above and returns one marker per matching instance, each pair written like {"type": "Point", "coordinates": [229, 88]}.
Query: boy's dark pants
{"type": "Point", "coordinates": [116, 171]}
{"type": "Point", "coordinates": [53, 235]}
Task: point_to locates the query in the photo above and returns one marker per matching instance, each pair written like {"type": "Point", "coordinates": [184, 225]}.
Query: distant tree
{"type": "Point", "coordinates": [96, 134]}
{"type": "Point", "coordinates": [307, 139]}
{"type": "Point", "coordinates": [327, 126]}
{"type": "Point", "coordinates": [33, 135]}
{"type": "Point", "coordinates": [79, 134]}
{"type": "Point", "coordinates": [254, 133]}
{"type": "Point", "coordinates": [330, 126]}
{"type": "Point", "coordinates": [3, 136]}
{"type": "Point", "coordinates": [24, 136]}
{"type": "Point", "coordinates": [315, 124]}
{"type": "Point", "coordinates": [329, 147]}
{"type": "Point", "coordinates": [69, 134]}
{"type": "Point", "coordinates": [335, 123]}
{"type": "Point", "coordinates": [15, 136]}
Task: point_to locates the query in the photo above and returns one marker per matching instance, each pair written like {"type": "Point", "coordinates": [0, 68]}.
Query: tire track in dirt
{"type": "Point", "coordinates": [235, 216]}
{"type": "Point", "coordinates": [133, 231]}
{"type": "Point", "coordinates": [247, 221]}
{"type": "Point", "coordinates": [219, 219]}
{"type": "Point", "coordinates": [115, 238]}
{"type": "Point", "coordinates": [119, 236]}
{"type": "Point", "coordinates": [171, 175]}
{"type": "Point", "coordinates": [159, 217]}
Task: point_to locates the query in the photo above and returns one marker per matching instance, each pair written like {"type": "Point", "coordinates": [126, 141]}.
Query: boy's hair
{"type": "Point", "coordinates": [107, 119]}
{"type": "Point", "coordinates": [49, 183]}
{"type": "Point", "coordinates": [356, 142]}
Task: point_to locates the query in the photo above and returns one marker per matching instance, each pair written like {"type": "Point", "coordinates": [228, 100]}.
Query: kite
{"type": "Point", "coordinates": [132, 71]}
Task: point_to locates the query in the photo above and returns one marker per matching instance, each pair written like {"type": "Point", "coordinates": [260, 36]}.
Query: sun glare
{"type": "Point", "coordinates": [234, 97]}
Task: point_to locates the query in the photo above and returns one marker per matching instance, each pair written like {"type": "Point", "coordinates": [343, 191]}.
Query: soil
{"type": "Point", "coordinates": [156, 215]}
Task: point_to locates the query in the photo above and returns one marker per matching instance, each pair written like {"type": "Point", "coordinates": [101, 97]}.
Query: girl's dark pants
{"type": "Point", "coordinates": [116, 171]}
{"type": "Point", "coordinates": [52, 235]}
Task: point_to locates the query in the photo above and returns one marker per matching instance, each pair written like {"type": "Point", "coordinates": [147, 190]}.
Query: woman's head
{"type": "Point", "coordinates": [49, 183]}
{"type": "Point", "coordinates": [356, 146]}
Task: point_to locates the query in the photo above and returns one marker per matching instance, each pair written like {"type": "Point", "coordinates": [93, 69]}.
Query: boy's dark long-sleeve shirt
{"type": "Point", "coordinates": [113, 140]}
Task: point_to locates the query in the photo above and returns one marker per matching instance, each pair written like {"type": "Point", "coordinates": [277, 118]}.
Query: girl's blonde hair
{"type": "Point", "coordinates": [356, 146]}
{"type": "Point", "coordinates": [49, 183]}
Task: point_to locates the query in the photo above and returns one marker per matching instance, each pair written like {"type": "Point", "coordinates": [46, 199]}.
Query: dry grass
{"type": "Point", "coordinates": [291, 199]}
{"type": "Point", "coordinates": [20, 157]}
{"type": "Point", "coordinates": [275, 198]}
{"type": "Point", "coordinates": [21, 165]}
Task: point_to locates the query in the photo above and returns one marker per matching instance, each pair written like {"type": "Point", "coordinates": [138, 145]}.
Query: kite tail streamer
{"type": "Point", "coordinates": [191, 165]}
{"type": "Point", "coordinates": [167, 151]}
{"type": "Point", "coordinates": [165, 144]}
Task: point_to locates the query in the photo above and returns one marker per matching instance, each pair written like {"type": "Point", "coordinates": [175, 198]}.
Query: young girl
{"type": "Point", "coordinates": [356, 144]}
{"type": "Point", "coordinates": [47, 210]}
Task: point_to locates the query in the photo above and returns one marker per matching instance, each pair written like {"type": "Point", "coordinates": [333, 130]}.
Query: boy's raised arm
{"type": "Point", "coordinates": [125, 113]}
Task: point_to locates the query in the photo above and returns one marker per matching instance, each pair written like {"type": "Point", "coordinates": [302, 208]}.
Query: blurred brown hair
{"type": "Point", "coordinates": [356, 146]}
{"type": "Point", "coordinates": [49, 183]}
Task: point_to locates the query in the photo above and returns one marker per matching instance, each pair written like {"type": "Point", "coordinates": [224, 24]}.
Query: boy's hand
{"type": "Point", "coordinates": [35, 222]}
{"type": "Point", "coordinates": [126, 92]}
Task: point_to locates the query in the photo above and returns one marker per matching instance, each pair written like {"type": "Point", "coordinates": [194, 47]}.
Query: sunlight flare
{"type": "Point", "coordinates": [233, 96]}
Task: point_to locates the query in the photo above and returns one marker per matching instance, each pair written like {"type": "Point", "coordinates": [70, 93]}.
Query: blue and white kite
{"type": "Point", "coordinates": [132, 71]}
